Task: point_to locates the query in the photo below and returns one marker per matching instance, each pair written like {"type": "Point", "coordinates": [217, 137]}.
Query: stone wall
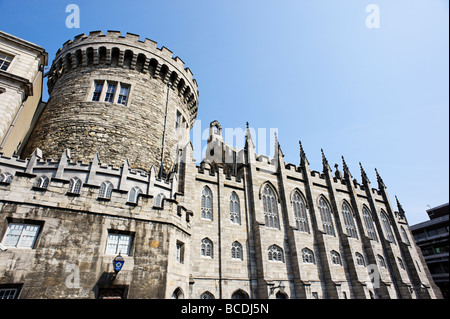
{"type": "Point", "coordinates": [135, 130]}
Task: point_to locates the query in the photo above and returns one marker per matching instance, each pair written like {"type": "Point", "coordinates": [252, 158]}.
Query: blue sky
{"type": "Point", "coordinates": [311, 69]}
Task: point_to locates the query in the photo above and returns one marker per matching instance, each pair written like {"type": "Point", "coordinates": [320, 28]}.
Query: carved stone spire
{"type": "Point", "coordinates": [248, 138]}
{"type": "Point", "coordinates": [325, 164]}
{"type": "Point", "coordinates": [364, 175]}
{"type": "Point", "coordinates": [380, 180]}
{"type": "Point", "coordinates": [401, 212]}
{"type": "Point", "coordinates": [347, 173]}
{"type": "Point", "coordinates": [303, 159]}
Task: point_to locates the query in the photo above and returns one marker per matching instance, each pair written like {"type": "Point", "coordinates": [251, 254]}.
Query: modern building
{"type": "Point", "coordinates": [433, 239]}
{"type": "Point", "coordinates": [108, 174]}
{"type": "Point", "coordinates": [21, 84]}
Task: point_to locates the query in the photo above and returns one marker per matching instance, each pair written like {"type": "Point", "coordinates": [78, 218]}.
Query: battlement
{"type": "Point", "coordinates": [129, 52]}
{"type": "Point", "coordinates": [91, 174]}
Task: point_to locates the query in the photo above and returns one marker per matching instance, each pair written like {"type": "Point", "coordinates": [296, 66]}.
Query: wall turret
{"type": "Point", "coordinates": [110, 94]}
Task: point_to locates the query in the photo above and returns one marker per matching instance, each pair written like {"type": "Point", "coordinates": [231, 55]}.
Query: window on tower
{"type": "Point", "coordinates": [123, 94]}
{"type": "Point", "coordinates": [110, 92]}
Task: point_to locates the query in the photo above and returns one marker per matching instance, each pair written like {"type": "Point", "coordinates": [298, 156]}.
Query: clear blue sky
{"type": "Point", "coordinates": [311, 69]}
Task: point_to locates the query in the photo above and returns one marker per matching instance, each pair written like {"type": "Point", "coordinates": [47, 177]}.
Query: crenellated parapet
{"type": "Point", "coordinates": [92, 175]}
{"type": "Point", "coordinates": [129, 52]}
{"type": "Point", "coordinates": [118, 96]}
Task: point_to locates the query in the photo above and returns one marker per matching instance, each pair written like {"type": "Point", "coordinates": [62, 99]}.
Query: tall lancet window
{"type": "Point", "coordinates": [235, 214]}
{"type": "Point", "coordinates": [300, 213]}
{"type": "Point", "coordinates": [206, 205]}
{"type": "Point", "coordinates": [349, 221]}
{"type": "Point", "coordinates": [270, 207]}
{"type": "Point", "coordinates": [387, 227]}
{"type": "Point", "coordinates": [325, 213]}
{"type": "Point", "coordinates": [368, 221]}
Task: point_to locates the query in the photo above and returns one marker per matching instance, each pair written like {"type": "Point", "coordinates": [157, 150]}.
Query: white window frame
{"type": "Point", "coordinates": [75, 185]}
{"type": "Point", "coordinates": [6, 177]}
{"type": "Point", "coordinates": [159, 199]}
{"type": "Point", "coordinates": [23, 233]}
{"type": "Point", "coordinates": [116, 242]}
{"type": "Point", "coordinates": [105, 190]}
{"type": "Point", "coordinates": [42, 181]}
{"type": "Point", "coordinates": [5, 59]}
{"type": "Point", "coordinates": [133, 194]}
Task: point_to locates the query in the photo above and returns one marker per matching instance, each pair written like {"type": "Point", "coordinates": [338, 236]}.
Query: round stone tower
{"type": "Point", "coordinates": [120, 97]}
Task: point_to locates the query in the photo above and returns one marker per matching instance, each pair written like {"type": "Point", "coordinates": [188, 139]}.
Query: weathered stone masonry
{"type": "Point", "coordinates": [239, 225]}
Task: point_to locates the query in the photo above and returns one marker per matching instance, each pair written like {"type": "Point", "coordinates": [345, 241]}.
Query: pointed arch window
{"type": "Point", "coordinates": [360, 260]}
{"type": "Point", "coordinates": [270, 207]}
{"type": "Point", "coordinates": [368, 221]}
{"type": "Point", "coordinates": [6, 177]}
{"type": "Point", "coordinates": [275, 253]}
{"type": "Point", "coordinates": [206, 205]}
{"type": "Point", "coordinates": [133, 194]}
{"type": "Point", "coordinates": [105, 190]}
{"type": "Point", "coordinates": [387, 227]}
{"type": "Point", "coordinates": [206, 249]}
{"type": "Point", "coordinates": [300, 213]}
{"type": "Point", "coordinates": [236, 251]}
{"type": "Point", "coordinates": [308, 256]}
{"type": "Point", "coordinates": [235, 214]}
{"type": "Point", "coordinates": [405, 236]}
{"type": "Point", "coordinates": [75, 185]}
{"type": "Point", "coordinates": [336, 258]}
{"type": "Point", "coordinates": [325, 213]}
{"type": "Point", "coordinates": [349, 221]}
{"type": "Point", "coordinates": [381, 261]}
{"type": "Point", "coordinates": [159, 199]}
{"type": "Point", "coordinates": [42, 181]}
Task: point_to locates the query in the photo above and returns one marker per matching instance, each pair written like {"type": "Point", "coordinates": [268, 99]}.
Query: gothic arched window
{"type": "Point", "coordinates": [206, 249]}
{"type": "Point", "coordinates": [308, 256]}
{"type": "Point", "coordinates": [300, 213]}
{"type": "Point", "coordinates": [275, 253]}
{"type": "Point", "coordinates": [336, 258]}
{"type": "Point", "coordinates": [105, 190]}
{"type": "Point", "coordinates": [387, 227]}
{"type": "Point", "coordinates": [349, 221]}
{"type": "Point", "coordinates": [325, 213]}
{"type": "Point", "coordinates": [360, 259]}
{"type": "Point", "coordinates": [159, 199]}
{"type": "Point", "coordinates": [235, 214]}
{"type": "Point", "coordinates": [75, 185]}
{"type": "Point", "coordinates": [405, 236]}
{"type": "Point", "coordinates": [206, 205]}
{"type": "Point", "coordinates": [368, 221]}
{"type": "Point", "coordinates": [236, 251]}
{"type": "Point", "coordinates": [270, 207]}
{"type": "Point", "coordinates": [133, 194]}
{"type": "Point", "coordinates": [42, 181]}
